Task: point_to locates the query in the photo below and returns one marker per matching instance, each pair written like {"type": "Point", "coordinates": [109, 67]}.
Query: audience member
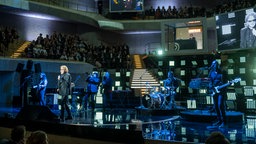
{"type": "Point", "coordinates": [217, 138]}
{"type": "Point", "coordinates": [37, 137]}
{"type": "Point", "coordinates": [17, 136]}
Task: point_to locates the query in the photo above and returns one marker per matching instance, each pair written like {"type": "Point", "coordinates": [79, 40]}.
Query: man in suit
{"type": "Point", "coordinates": [64, 89]}
{"type": "Point", "coordinates": [248, 32]}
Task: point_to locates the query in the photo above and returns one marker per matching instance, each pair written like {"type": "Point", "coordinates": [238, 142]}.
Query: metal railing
{"type": "Point", "coordinates": [79, 5]}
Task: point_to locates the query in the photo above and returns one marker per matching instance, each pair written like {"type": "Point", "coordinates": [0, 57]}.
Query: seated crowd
{"type": "Point", "coordinates": [7, 36]}
{"type": "Point", "coordinates": [191, 11]}
{"type": "Point", "coordinates": [72, 48]}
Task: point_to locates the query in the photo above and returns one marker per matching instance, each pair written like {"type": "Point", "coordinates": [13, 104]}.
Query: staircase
{"type": "Point", "coordinates": [20, 50]}
{"type": "Point", "coordinates": [142, 79]}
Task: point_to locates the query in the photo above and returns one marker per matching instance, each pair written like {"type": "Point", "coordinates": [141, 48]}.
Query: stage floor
{"type": "Point", "coordinates": [150, 126]}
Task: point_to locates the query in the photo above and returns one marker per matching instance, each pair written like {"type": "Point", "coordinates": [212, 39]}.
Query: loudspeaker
{"type": "Point", "coordinates": [29, 64]}
{"type": "Point", "coordinates": [33, 112]}
{"type": "Point", "coordinates": [38, 68]}
{"type": "Point", "coordinates": [19, 67]}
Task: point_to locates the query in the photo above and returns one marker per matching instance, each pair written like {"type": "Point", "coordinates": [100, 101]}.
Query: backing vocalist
{"type": "Point", "coordinates": [64, 89]}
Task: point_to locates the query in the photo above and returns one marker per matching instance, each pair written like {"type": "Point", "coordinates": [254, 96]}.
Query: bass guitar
{"type": "Point", "coordinates": [217, 88]}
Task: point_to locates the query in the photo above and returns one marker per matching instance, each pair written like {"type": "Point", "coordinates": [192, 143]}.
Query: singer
{"type": "Point", "coordinates": [248, 32]}
{"type": "Point", "coordinates": [64, 89]}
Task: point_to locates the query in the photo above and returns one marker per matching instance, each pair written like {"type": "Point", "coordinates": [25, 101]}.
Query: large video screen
{"type": "Point", "coordinates": [236, 30]}
{"type": "Point", "coordinates": [126, 5]}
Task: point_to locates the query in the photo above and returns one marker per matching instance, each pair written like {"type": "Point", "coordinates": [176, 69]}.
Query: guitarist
{"type": "Point", "coordinates": [41, 88]}
{"type": "Point", "coordinates": [217, 78]}
{"type": "Point", "coordinates": [171, 84]}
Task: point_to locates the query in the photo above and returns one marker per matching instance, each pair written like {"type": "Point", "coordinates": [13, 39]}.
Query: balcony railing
{"type": "Point", "coordinates": [79, 5]}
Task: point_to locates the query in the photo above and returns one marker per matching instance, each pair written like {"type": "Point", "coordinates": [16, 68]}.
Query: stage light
{"type": "Point", "coordinates": [117, 83]}
{"type": "Point", "coordinates": [190, 90]}
{"type": "Point", "coordinates": [242, 59]}
{"type": "Point", "coordinates": [250, 104]}
{"type": "Point", "coordinates": [182, 72]}
{"type": "Point", "coordinates": [239, 90]}
{"type": "Point", "coordinates": [182, 83]}
{"type": "Point", "coordinates": [160, 63]}
{"type": "Point", "coordinates": [205, 62]}
{"type": "Point", "coordinates": [209, 100]}
{"type": "Point", "coordinates": [191, 104]}
{"type": "Point", "coordinates": [202, 91]}
{"type": "Point", "coordinates": [193, 72]}
{"type": "Point", "coordinates": [194, 63]}
{"type": "Point", "coordinates": [98, 115]}
{"type": "Point", "coordinates": [230, 71]}
{"type": "Point", "coordinates": [248, 91]}
{"type": "Point", "coordinates": [160, 73]}
{"type": "Point", "coordinates": [242, 70]}
{"type": "Point", "coordinates": [243, 83]}
{"type": "Point", "coordinates": [182, 62]}
{"type": "Point", "coordinates": [231, 96]}
{"type": "Point", "coordinates": [160, 52]}
{"type": "Point", "coordinates": [205, 72]}
{"type": "Point", "coordinates": [171, 63]}
{"type": "Point", "coordinates": [254, 89]}
{"type": "Point", "coordinates": [230, 105]}
{"type": "Point", "coordinates": [118, 74]}
{"type": "Point", "coordinates": [128, 74]}
{"type": "Point", "coordinates": [230, 60]}
{"type": "Point", "coordinates": [99, 99]}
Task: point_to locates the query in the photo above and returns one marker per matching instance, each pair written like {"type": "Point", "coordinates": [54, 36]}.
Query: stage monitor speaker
{"type": "Point", "coordinates": [38, 68]}
{"type": "Point", "coordinates": [19, 67]}
{"type": "Point", "coordinates": [37, 113]}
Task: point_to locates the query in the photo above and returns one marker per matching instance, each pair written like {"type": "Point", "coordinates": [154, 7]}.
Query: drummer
{"type": "Point", "coordinates": [171, 84]}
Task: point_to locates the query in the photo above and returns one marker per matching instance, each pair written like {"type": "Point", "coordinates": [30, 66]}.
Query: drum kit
{"type": "Point", "coordinates": [160, 99]}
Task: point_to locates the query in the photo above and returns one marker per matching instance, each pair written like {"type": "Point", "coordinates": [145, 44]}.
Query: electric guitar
{"type": "Point", "coordinates": [73, 84]}
{"type": "Point", "coordinates": [217, 88]}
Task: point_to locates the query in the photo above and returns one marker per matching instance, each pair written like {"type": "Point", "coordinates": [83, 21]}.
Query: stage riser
{"type": "Point", "coordinates": [203, 116]}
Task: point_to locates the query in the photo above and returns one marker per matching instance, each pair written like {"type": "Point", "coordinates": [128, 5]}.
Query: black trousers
{"type": "Point", "coordinates": [64, 106]}
{"type": "Point", "coordinates": [220, 106]}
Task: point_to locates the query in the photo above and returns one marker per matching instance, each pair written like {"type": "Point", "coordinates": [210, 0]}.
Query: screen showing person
{"type": "Point", "coordinates": [236, 30]}
{"type": "Point", "coordinates": [248, 32]}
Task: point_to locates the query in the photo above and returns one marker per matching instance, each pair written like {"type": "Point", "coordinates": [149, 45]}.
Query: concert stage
{"type": "Point", "coordinates": [128, 125]}
{"type": "Point", "coordinates": [206, 116]}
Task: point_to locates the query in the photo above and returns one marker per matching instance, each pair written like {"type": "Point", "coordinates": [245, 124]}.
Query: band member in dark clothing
{"type": "Point", "coordinates": [171, 84]}
{"type": "Point", "coordinates": [217, 78]}
{"type": "Point", "coordinates": [64, 89]}
{"type": "Point", "coordinates": [92, 89]}
{"type": "Point", "coordinates": [41, 88]}
{"type": "Point", "coordinates": [107, 90]}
